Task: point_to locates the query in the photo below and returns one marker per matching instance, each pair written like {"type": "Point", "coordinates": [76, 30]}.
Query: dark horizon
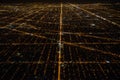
{"type": "Point", "coordinates": [54, 1]}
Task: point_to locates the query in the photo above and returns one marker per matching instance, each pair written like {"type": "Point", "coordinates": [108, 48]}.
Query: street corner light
{"type": "Point", "coordinates": [107, 61]}
{"type": "Point", "coordinates": [92, 25]}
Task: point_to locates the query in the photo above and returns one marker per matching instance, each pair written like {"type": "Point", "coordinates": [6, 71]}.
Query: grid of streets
{"type": "Point", "coordinates": [63, 41]}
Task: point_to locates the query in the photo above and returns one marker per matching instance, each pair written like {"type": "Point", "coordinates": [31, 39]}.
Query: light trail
{"type": "Point", "coordinates": [31, 34]}
{"type": "Point", "coordinates": [92, 36]}
{"type": "Point", "coordinates": [92, 49]}
{"type": "Point", "coordinates": [60, 42]}
{"type": "Point", "coordinates": [27, 33]}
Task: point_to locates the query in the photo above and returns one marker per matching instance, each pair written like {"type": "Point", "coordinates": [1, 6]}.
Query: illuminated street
{"type": "Point", "coordinates": [59, 41]}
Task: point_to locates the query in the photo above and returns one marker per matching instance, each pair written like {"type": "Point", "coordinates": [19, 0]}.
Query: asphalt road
{"type": "Point", "coordinates": [42, 41]}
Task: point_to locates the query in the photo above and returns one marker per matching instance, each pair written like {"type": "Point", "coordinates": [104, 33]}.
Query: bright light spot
{"type": "Point", "coordinates": [107, 61]}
